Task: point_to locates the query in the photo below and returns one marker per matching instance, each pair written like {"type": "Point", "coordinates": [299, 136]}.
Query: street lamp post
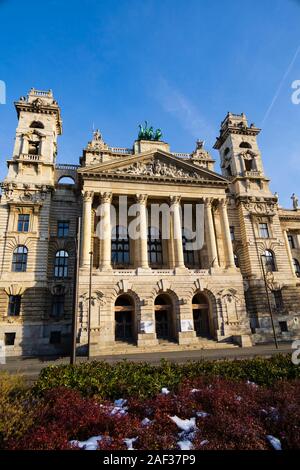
{"type": "Point", "coordinates": [90, 306]}
{"type": "Point", "coordinates": [269, 303]}
{"type": "Point", "coordinates": [75, 292]}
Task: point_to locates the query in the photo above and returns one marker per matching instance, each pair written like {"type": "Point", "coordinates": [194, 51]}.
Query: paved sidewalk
{"type": "Point", "coordinates": [30, 367]}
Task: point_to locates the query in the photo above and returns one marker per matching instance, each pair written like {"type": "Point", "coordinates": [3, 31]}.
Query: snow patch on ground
{"type": "Point", "coordinates": [275, 443]}
{"type": "Point", "coordinates": [185, 445]}
{"type": "Point", "coordinates": [146, 422]}
{"type": "Point", "coordinates": [165, 391]}
{"type": "Point", "coordinates": [202, 414]}
{"type": "Point", "coordinates": [119, 407]}
{"type": "Point", "coordinates": [89, 444]}
{"type": "Point", "coordinates": [202, 443]}
{"type": "Point", "coordinates": [186, 425]}
{"type": "Point", "coordinates": [129, 442]}
{"type": "Point", "coordinates": [252, 384]}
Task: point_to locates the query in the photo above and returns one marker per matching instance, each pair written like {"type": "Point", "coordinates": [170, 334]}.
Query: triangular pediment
{"type": "Point", "coordinates": [153, 165]}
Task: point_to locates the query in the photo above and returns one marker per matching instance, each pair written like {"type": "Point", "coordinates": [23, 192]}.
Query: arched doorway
{"type": "Point", "coordinates": [200, 308]}
{"type": "Point", "coordinates": [124, 319]}
{"type": "Point", "coordinates": [163, 318]}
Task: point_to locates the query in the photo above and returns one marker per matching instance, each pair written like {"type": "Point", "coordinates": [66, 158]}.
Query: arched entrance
{"type": "Point", "coordinates": [124, 319]}
{"type": "Point", "coordinates": [163, 318]}
{"type": "Point", "coordinates": [200, 308]}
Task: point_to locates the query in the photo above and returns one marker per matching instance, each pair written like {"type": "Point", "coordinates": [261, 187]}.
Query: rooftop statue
{"type": "Point", "coordinates": [295, 201]}
{"type": "Point", "coordinates": [147, 133]}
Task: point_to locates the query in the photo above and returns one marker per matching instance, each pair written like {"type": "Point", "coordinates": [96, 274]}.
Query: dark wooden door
{"type": "Point", "coordinates": [162, 324]}
{"type": "Point", "coordinates": [123, 326]}
{"type": "Point", "coordinates": [201, 323]}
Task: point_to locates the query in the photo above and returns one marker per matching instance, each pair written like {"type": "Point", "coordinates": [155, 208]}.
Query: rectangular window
{"type": "Point", "coordinates": [263, 230]}
{"type": "Point", "coordinates": [62, 228]}
{"type": "Point", "coordinates": [14, 305]}
{"type": "Point", "coordinates": [291, 241]}
{"type": "Point", "coordinates": [283, 326]}
{"type": "Point", "coordinates": [23, 222]}
{"type": "Point", "coordinates": [55, 337]}
{"type": "Point", "coordinates": [278, 301]}
{"type": "Point", "coordinates": [9, 339]}
{"type": "Point", "coordinates": [232, 233]}
{"type": "Point", "coordinates": [58, 307]}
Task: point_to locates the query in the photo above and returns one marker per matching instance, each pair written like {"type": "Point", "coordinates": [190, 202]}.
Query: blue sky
{"type": "Point", "coordinates": [180, 64]}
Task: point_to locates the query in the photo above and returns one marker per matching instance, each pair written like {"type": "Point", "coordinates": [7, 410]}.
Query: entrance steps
{"type": "Point", "coordinates": [165, 346]}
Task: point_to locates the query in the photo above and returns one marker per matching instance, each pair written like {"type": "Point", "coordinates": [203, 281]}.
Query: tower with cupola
{"type": "Point", "coordinates": [35, 148]}
{"type": "Point", "coordinates": [259, 243]}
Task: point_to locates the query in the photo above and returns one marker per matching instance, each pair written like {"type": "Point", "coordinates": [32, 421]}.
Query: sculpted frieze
{"type": "Point", "coordinates": [157, 168]}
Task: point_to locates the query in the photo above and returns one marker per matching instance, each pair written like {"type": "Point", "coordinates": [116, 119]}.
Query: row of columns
{"type": "Point", "coordinates": [141, 200]}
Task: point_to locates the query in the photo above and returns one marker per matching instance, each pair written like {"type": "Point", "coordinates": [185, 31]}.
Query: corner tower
{"type": "Point", "coordinates": [35, 148]}
{"type": "Point", "coordinates": [240, 156]}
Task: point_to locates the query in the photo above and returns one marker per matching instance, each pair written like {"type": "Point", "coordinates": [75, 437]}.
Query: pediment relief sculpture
{"type": "Point", "coordinates": [157, 168]}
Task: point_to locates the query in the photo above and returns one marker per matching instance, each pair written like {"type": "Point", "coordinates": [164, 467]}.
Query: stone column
{"type": "Point", "coordinates": [105, 232]}
{"type": "Point", "coordinates": [24, 144]}
{"type": "Point", "coordinates": [86, 228]}
{"type": "Point", "coordinates": [177, 231]}
{"type": "Point", "coordinates": [210, 232]}
{"type": "Point", "coordinates": [226, 232]}
{"type": "Point", "coordinates": [288, 249]}
{"type": "Point", "coordinates": [141, 200]}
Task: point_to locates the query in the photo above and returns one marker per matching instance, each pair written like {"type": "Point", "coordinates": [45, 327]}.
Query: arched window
{"type": "Point", "coordinates": [226, 151]}
{"type": "Point", "coordinates": [120, 255]}
{"type": "Point", "coordinates": [269, 261]}
{"type": "Point", "coordinates": [66, 180]}
{"type": "Point", "coordinates": [297, 267]}
{"type": "Point", "coordinates": [248, 164]}
{"type": "Point", "coordinates": [37, 125]}
{"type": "Point", "coordinates": [19, 263]}
{"type": "Point", "coordinates": [188, 254]}
{"type": "Point", "coordinates": [33, 148]}
{"type": "Point", "coordinates": [155, 255]}
{"type": "Point", "coordinates": [61, 264]}
{"type": "Point", "coordinates": [245, 145]}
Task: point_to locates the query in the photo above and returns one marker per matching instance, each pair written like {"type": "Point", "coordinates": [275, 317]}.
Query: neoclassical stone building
{"type": "Point", "coordinates": [150, 291]}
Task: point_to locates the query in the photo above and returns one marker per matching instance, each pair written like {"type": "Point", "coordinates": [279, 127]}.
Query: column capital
{"type": "Point", "coordinates": [105, 197]}
{"type": "Point", "coordinates": [223, 202]}
{"type": "Point", "coordinates": [208, 201]}
{"type": "Point", "coordinates": [141, 198]}
{"type": "Point", "coordinates": [88, 196]}
{"type": "Point", "coordinates": [175, 199]}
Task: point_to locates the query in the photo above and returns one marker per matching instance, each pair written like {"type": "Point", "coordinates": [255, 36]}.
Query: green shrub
{"type": "Point", "coordinates": [15, 417]}
{"type": "Point", "coordinates": [126, 379]}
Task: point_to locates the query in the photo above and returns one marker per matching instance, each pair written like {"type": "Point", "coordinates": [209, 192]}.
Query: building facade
{"type": "Point", "coordinates": [150, 290]}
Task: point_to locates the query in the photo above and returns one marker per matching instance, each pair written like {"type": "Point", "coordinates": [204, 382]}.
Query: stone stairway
{"type": "Point", "coordinates": [166, 346]}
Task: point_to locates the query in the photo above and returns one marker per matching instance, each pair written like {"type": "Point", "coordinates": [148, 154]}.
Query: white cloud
{"type": "Point", "coordinates": [178, 105]}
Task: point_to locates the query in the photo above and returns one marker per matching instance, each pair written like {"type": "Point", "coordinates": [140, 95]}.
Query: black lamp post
{"type": "Point", "coordinates": [90, 306]}
{"type": "Point", "coordinates": [269, 303]}
{"type": "Point", "coordinates": [75, 292]}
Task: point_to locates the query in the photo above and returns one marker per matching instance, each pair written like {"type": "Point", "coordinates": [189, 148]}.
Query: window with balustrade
{"type": "Point", "coordinates": [63, 228]}
{"type": "Point", "coordinates": [263, 230]}
{"type": "Point", "coordinates": [155, 251]}
{"type": "Point", "coordinates": [189, 255]}
{"type": "Point", "coordinates": [120, 247]}
{"type": "Point", "coordinates": [23, 222]}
